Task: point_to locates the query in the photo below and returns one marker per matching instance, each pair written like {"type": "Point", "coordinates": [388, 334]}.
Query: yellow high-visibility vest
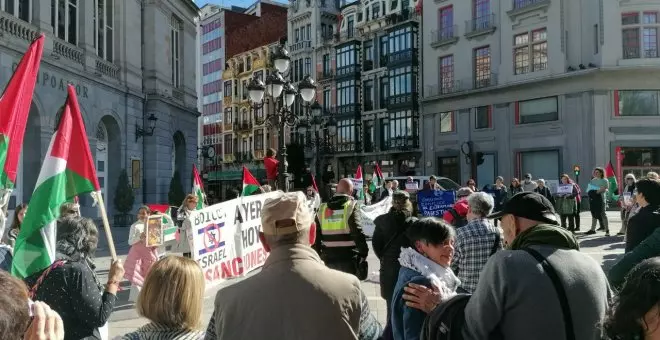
{"type": "Point", "coordinates": [335, 231]}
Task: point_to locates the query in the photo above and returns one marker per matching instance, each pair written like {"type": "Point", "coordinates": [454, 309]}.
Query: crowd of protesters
{"type": "Point", "coordinates": [523, 279]}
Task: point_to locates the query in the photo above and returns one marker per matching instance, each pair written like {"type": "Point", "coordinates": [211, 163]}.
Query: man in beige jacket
{"type": "Point", "coordinates": [295, 296]}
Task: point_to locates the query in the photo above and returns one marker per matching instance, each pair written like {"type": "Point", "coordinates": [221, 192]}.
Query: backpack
{"type": "Point", "coordinates": [446, 321]}
{"type": "Point", "coordinates": [459, 221]}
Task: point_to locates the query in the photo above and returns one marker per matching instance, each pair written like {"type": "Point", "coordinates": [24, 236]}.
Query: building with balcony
{"type": "Point", "coordinates": [538, 86]}
{"type": "Point", "coordinates": [241, 136]}
{"type": "Point", "coordinates": [312, 25]}
{"type": "Point", "coordinates": [369, 88]}
{"type": "Point", "coordinates": [132, 64]}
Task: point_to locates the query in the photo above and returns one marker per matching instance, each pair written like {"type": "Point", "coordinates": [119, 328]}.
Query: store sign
{"type": "Point", "coordinates": [55, 81]}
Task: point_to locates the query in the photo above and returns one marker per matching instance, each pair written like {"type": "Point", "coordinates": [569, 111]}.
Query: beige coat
{"type": "Point", "coordinates": [295, 296]}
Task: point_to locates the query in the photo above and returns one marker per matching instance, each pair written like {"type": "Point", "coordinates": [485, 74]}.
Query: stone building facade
{"type": "Point", "coordinates": [129, 61]}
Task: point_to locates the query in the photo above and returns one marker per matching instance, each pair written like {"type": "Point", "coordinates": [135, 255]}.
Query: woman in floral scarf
{"type": "Point", "coordinates": [425, 263]}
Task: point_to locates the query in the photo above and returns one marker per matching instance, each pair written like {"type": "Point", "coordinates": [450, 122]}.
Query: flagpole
{"type": "Point", "coordinates": [5, 195]}
{"type": "Point", "coordinates": [106, 224]}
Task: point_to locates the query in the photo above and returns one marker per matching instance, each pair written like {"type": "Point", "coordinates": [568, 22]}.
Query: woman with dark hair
{"type": "Point", "coordinates": [70, 285]}
{"type": "Point", "coordinates": [19, 214]}
{"type": "Point", "coordinates": [388, 239]}
{"type": "Point", "coordinates": [596, 191]}
{"type": "Point", "coordinates": [647, 219]}
{"type": "Point", "coordinates": [426, 263]}
{"type": "Point", "coordinates": [635, 313]}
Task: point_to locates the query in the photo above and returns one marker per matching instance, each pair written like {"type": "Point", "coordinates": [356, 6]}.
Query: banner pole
{"type": "Point", "coordinates": [106, 224]}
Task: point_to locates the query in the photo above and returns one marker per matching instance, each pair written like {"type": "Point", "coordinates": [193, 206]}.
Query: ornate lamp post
{"type": "Point", "coordinates": [281, 94]}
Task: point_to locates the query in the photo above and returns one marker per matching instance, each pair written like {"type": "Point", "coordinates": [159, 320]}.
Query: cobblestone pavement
{"type": "Point", "coordinates": [606, 250]}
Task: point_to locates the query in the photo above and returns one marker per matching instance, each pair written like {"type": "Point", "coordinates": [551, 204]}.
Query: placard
{"type": "Point", "coordinates": [435, 202]}
{"type": "Point", "coordinates": [154, 231]}
{"type": "Point", "coordinates": [565, 189]}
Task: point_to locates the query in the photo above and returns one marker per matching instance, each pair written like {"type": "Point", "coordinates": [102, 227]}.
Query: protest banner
{"type": "Point", "coordinates": [368, 213]}
{"type": "Point", "coordinates": [435, 202]}
{"type": "Point", "coordinates": [226, 238]}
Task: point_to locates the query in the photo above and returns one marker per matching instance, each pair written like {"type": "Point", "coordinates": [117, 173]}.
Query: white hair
{"type": "Point", "coordinates": [481, 203]}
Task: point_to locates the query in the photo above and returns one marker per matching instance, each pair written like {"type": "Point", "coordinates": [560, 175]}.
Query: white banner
{"type": "Point", "coordinates": [368, 213]}
{"type": "Point", "coordinates": [226, 238]}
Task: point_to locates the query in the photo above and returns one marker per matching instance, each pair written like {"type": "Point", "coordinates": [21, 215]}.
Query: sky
{"type": "Point", "coordinates": [228, 3]}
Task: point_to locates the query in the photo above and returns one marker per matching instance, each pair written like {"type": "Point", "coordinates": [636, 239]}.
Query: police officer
{"type": "Point", "coordinates": [341, 242]}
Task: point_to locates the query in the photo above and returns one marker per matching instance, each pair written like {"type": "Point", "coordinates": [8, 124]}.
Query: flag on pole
{"type": "Point", "coordinates": [14, 108]}
{"type": "Point", "coordinates": [376, 179]}
{"type": "Point", "coordinates": [358, 182]}
{"type": "Point", "coordinates": [613, 190]}
{"type": "Point", "coordinates": [67, 171]}
{"type": "Point", "coordinates": [198, 188]}
{"type": "Point", "coordinates": [250, 184]}
{"type": "Point", "coordinates": [316, 188]}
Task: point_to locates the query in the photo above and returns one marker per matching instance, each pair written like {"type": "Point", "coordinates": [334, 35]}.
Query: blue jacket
{"type": "Point", "coordinates": [407, 322]}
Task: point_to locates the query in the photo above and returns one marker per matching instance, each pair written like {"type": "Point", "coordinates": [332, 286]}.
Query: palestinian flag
{"type": "Point", "coordinates": [14, 110]}
{"type": "Point", "coordinates": [376, 178]}
{"type": "Point", "coordinates": [358, 183]}
{"type": "Point", "coordinates": [613, 190]}
{"type": "Point", "coordinates": [170, 231]}
{"type": "Point", "coordinates": [67, 171]}
{"type": "Point", "coordinates": [316, 188]}
{"type": "Point", "coordinates": [250, 184]}
{"type": "Point", "coordinates": [198, 188]}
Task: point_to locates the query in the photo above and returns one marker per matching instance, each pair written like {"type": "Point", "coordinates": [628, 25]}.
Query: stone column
{"type": "Point", "coordinates": [86, 30]}
{"type": "Point", "coordinates": [41, 15]}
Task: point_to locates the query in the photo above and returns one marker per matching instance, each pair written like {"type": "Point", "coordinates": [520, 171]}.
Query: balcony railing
{"type": "Point", "coordinates": [326, 75]}
{"type": "Point", "coordinates": [243, 157]}
{"type": "Point", "coordinates": [301, 45]}
{"type": "Point", "coordinates": [68, 51]}
{"type": "Point", "coordinates": [446, 88]}
{"type": "Point", "coordinates": [326, 37]}
{"type": "Point", "coordinates": [347, 71]}
{"type": "Point", "coordinates": [403, 143]}
{"type": "Point", "coordinates": [402, 56]}
{"type": "Point", "coordinates": [347, 35]}
{"type": "Point", "coordinates": [12, 26]}
{"type": "Point", "coordinates": [520, 4]}
{"type": "Point", "coordinates": [107, 68]}
{"type": "Point", "coordinates": [227, 126]}
{"type": "Point", "coordinates": [444, 35]}
{"type": "Point", "coordinates": [243, 125]}
{"type": "Point", "coordinates": [636, 53]}
{"type": "Point", "coordinates": [483, 81]}
{"type": "Point", "coordinates": [481, 25]}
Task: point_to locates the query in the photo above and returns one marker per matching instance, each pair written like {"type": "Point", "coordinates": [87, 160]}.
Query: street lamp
{"type": "Point", "coordinates": [282, 94]}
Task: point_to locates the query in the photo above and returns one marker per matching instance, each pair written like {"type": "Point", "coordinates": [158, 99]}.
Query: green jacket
{"type": "Point", "coordinates": [650, 247]}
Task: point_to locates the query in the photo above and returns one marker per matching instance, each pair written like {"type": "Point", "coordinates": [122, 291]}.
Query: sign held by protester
{"type": "Point", "coordinates": [226, 238]}
{"type": "Point", "coordinates": [435, 202]}
{"type": "Point", "coordinates": [368, 213]}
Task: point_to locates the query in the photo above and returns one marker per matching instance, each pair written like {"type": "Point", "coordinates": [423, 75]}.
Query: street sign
{"type": "Point", "coordinates": [576, 170]}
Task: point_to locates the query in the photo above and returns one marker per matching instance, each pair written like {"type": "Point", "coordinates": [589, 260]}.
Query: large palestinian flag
{"type": "Point", "coordinates": [67, 171]}
{"type": "Point", "coordinates": [14, 110]}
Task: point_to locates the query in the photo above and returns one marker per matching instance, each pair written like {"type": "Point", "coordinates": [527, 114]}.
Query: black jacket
{"type": "Point", "coordinates": [361, 248]}
{"type": "Point", "coordinates": [642, 225]}
{"type": "Point", "coordinates": [75, 294]}
{"type": "Point", "coordinates": [545, 191]}
{"type": "Point", "coordinates": [390, 227]}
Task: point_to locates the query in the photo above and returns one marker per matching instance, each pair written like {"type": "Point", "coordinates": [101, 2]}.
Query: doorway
{"type": "Point", "coordinates": [450, 168]}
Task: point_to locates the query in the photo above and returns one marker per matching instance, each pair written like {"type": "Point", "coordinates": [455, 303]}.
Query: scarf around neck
{"type": "Point", "coordinates": [441, 277]}
{"type": "Point", "coordinates": [545, 234]}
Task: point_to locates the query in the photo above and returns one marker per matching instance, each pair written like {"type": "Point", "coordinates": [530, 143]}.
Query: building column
{"type": "Point", "coordinates": [41, 13]}
{"type": "Point", "coordinates": [86, 30]}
